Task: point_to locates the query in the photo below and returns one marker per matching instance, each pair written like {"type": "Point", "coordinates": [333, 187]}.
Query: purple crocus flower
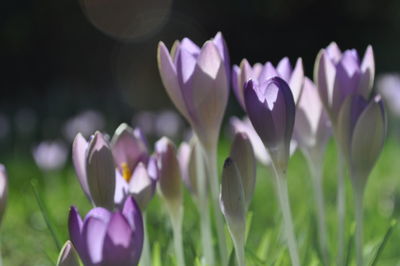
{"type": "Point", "coordinates": [361, 131]}
{"type": "Point", "coordinates": [338, 75]}
{"type": "Point", "coordinates": [196, 80]}
{"type": "Point", "coordinates": [271, 109]}
{"type": "Point", "coordinates": [107, 238]}
{"type": "Point", "coordinates": [136, 173]}
{"type": "Point", "coordinates": [259, 73]}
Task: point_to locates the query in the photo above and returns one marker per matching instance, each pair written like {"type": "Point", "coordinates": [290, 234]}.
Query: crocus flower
{"type": "Point", "coordinates": [196, 80]}
{"type": "Point", "coordinates": [50, 155]}
{"type": "Point", "coordinates": [361, 131]}
{"type": "Point", "coordinates": [169, 173]}
{"type": "Point", "coordinates": [271, 110]}
{"type": "Point", "coordinates": [187, 162]}
{"type": "Point", "coordinates": [338, 75]}
{"type": "Point", "coordinates": [108, 238]}
{"type": "Point", "coordinates": [136, 173]}
{"type": "Point", "coordinates": [259, 73]}
{"type": "Point", "coordinates": [312, 127]}
{"type": "Point", "coordinates": [3, 190]}
{"type": "Point", "coordinates": [94, 166]}
{"type": "Point", "coordinates": [68, 255]}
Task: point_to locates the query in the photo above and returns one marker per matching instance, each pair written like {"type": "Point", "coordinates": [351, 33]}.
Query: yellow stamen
{"type": "Point", "coordinates": [126, 172]}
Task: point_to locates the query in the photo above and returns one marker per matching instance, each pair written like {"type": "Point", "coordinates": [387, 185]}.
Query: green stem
{"type": "Point", "coordinates": [210, 156]}
{"type": "Point", "coordinates": [176, 220]}
{"type": "Point", "coordinates": [145, 259]}
{"type": "Point", "coordinates": [341, 207]}
{"type": "Point", "coordinates": [315, 167]}
{"type": "Point", "coordinates": [358, 204]}
{"type": "Point", "coordinates": [283, 198]}
{"type": "Point", "coordinates": [204, 211]}
{"type": "Point", "coordinates": [239, 250]}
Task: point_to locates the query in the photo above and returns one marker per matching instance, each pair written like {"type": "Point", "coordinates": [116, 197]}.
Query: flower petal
{"type": "Point", "coordinates": [141, 186]}
{"type": "Point", "coordinates": [296, 80]}
{"type": "Point", "coordinates": [79, 149]}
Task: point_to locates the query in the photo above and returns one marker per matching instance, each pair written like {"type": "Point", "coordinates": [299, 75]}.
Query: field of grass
{"type": "Point", "coordinates": [26, 240]}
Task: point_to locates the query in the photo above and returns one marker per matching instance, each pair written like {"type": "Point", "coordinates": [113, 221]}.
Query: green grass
{"type": "Point", "coordinates": [26, 240]}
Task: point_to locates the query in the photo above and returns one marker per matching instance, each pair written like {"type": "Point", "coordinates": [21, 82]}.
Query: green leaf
{"type": "Point", "coordinates": [382, 245]}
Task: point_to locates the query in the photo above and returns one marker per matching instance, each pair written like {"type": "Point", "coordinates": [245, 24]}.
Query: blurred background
{"type": "Point", "coordinates": [82, 65]}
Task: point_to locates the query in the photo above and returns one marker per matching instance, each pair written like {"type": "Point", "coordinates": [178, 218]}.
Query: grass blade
{"type": "Point", "coordinates": [45, 215]}
{"type": "Point", "coordinates": [382, 245]}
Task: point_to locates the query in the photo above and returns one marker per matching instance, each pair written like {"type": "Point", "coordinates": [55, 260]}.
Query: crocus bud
{"type": "Point", "coordinates": [271, 110]}
{"type": "Point", "coordinates": [68, 255]}
{"type": "Point", "coordinates": [232, 199]}
{"type": "Point", "coordinates": [338, 75]}
{"type": "Point", "coordinates": [3, 190]}
{"type": "Point", "coordinates": [135, 175]}
{"type": "Point", "coordinates": [196, 80]}
{"type": "Point", "coordinates": [362, 131]}
{"type": "Point", "coordinates": [100, 171]}
{"type": "Point", "coordinates": [169, 173]}
{"type": "Point", "coordinates": [104, 238]}
{"type": "Point", "coordinates": [312, 128]}
{"type": "Point", "coordinates": [259, 73]}
{"type": "Point", "coordinates": [243, 155]}
{"type": "Point", "coordinates": [187, 157]}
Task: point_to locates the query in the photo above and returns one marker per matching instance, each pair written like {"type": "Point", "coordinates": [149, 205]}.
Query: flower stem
{"type": "Point", "coordinates": [204, 211]}
{"type": "Point", "coordinates": [315, 168]}
{"type": "Point", "coordinates": [358, 204]}
{"type": "Point", "coordinates": [239, 250]}
{"type": "Point", "coordinates": [177, 231]}
{"type": "Point", "coordinates": [210, 156]}
{"type": "Point", "coordinates": [283, 198]}
{"type": "Point", "coordinates": [145, 259]}
{"type": "Point", "coordinates": [341, 207]}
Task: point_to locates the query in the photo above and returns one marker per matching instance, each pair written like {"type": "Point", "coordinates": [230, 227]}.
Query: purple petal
{"type": "Point", "coordinates": [141, 186]}
{"type": "Point", "coordinates": [121, 189]}
{"type": "Point", "coordinates": [75, 227]}
{"type": "Point", "coordinates": [236, 82]}
{"type": "Point", "coordinates": [190, 47]}
{"type": "Point", "coordinates": [268, 72]}
{"type": "Point", "coordinates": [94, 231]}
{"type": "Point", "coordinates": [99, 213]}
{"type": "Point", "coordinates": [350, 62]}
{"type": "Point", "coordinates": [220, 43]}
{"type": "Point", "coordinates": [118, 249]}
{"type": "Point", "coordinates": [333, 52]}
{"type": "Point", "coordinates": [3, 190]}
{"type": "Point", "coordinates": [101, 172]}
{"type": "Point", "coordinates": [79, 149]}
{"type": "Point", "coordinates": [367, 73]}
{"type": "Point", "coordinates": [284, 68]}
{"type": "Point", "coordinates": [296, 80]}
{"type": "Point", "coordinates": [169, 78]}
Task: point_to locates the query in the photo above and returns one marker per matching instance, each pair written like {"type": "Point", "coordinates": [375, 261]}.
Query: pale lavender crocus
{"type": "Point", "coordinates": [259, 73]}
{"type": "Point", "coordinates": [136, 173]}
{"type": "Point", "coordinates": [339, 74]}
{"type": "Point", "coordinates": [94, 166]}
{"type": "Point", "coordinates": [107, 238]}
{"type": "Point", "coordinates": [3, 190]}
{"type": "Point", "coordinates": [196, 80]}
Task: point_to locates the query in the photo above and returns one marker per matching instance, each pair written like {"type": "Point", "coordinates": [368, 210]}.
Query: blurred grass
{"type": "Point", "coordinates": [26, 240]}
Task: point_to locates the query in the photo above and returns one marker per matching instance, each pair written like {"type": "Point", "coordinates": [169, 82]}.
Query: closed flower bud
{"type": "Point", "coordinates": [362, 131]}
{"type": "Point", "coordinates": [68, 255]}
{"type": "Point", "coordinates": [170, 181]}
{"type": "Point", "coordinates": [271, 110]}
{"type": "Point", "coordinates": [243, 155]}
{"type": "Point", "coordinates": [232, 199]}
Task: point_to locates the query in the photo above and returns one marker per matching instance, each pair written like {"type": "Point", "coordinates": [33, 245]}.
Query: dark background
{"type": "Point", "coordinates": [58, 59]}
